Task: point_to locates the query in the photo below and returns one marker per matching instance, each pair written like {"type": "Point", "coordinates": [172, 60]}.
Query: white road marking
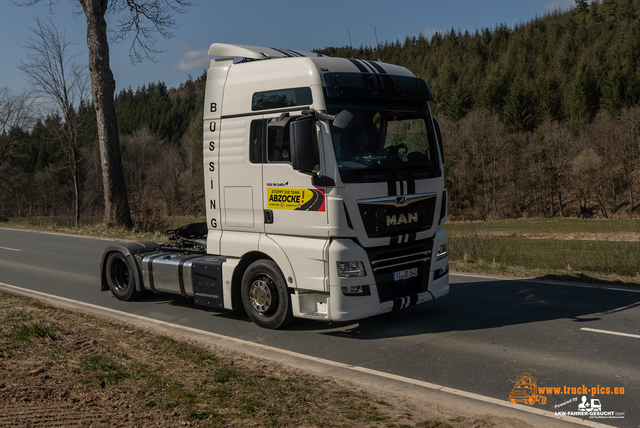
{"type": "Point", "coordinates": [123, 315]}
{"type": "Point", "coordinates": [10, 249]}
{"type": "Point", "coordinates": [614, 333]}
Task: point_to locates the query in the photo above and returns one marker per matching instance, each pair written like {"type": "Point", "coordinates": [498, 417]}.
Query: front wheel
{"type": "Point", "coordinates": [265, 296]}
{"type": "Point", "coordinates": [121, 277]}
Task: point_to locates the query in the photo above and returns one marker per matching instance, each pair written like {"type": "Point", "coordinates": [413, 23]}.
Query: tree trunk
{"type": "Point", "coordinates": [103, 88]}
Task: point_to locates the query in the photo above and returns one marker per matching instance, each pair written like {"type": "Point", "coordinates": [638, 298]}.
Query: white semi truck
{"type": "Point", "coordinates": [324, 192]}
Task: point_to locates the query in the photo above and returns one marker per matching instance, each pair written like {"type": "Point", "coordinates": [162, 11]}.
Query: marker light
{"type": "Point", "coordinates": [442, 252]}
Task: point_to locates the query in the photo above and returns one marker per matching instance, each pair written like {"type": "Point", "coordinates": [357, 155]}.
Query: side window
{"type": "Point", "coordinates": [279, 145]}
{"type": "Point", "coordinates": [281, 98]}
{"type": "Point", "coordinates": [256, 142]}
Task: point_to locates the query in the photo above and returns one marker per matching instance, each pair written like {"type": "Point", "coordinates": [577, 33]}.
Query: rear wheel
{"type": "Point", "coordinates": [121, 276]}
{"type": "Point", "coordinates": [265, 296]}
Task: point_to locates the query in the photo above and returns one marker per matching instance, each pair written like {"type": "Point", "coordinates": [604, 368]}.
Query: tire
{"type": "Point", "coordinates": [121, 277]}
{"type": "Point", "coordinates": [265, 296]}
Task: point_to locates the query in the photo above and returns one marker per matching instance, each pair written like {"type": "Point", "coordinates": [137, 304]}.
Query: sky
{"type": "Point", "coordinates": [298, 25]}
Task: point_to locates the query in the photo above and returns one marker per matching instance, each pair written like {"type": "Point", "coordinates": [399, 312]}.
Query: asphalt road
{"type": "Point", "coordinates": [478, 339]}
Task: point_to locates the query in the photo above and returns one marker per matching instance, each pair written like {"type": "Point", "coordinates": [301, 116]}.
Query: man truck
{"type": "Point", "coordinates": [324, 194]}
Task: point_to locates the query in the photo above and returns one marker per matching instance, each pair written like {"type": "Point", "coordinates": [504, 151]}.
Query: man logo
{"type": "Point", "coordinates": [401, 200]}
{"type": "Point", "coordinates": [402, 219]}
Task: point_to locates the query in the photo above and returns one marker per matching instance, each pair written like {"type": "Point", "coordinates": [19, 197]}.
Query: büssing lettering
{"type": "Point", "coordinates": [402, 219]}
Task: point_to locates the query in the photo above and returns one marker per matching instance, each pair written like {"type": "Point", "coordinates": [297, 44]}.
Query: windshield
{"type": "Point", "coordinates": [386, 143]}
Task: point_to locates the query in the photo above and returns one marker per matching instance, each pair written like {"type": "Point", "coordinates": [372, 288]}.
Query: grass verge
{"type": "Point", "coordinates": [81, 368]}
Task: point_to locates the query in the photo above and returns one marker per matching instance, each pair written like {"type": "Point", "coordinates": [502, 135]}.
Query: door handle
{"type": "Point", "coordinates": [268, 217]}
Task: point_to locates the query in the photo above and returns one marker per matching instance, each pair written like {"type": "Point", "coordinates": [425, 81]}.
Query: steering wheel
{"type": "Point", "coordinates": [393, 151]}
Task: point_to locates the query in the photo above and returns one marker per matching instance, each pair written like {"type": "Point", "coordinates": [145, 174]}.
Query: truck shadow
{"type": "Point", "coordinates": [491, 304]}
{"type": "Point", "coordinates": [472, 305]}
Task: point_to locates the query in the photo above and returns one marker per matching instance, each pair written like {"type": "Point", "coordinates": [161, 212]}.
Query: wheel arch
{"type": "Point", "coordinates": [129, 250]}
{"type": "Point", "coordinates": [238, 273]}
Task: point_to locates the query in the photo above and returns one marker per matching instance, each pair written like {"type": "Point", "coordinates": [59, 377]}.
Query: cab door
{"type": "Point", "coordinates": [295, 213]}
{"type": "Point", "coordinates": [293, 205]}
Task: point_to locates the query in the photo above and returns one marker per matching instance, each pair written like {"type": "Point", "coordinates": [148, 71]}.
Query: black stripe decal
{"type": "Point", "coordinates": [411, 187]}
{"type": "Point", "coordinates": [283, 52]}
{"type": "Point", "coordinates": [393, 240]}
{"type": "Point", "coordinates": [402, 188]}
{"type": "Point", "coordinates": [397, 304]}
{"type": "Point", "coordinates": [294, 53]}
{"type": "Point", "coordinates": [361, 67]}
{"type": "Point", "coordinates": [414, 300]}
{"type": "Point", "coordinates": [368, 66]}
{"type": "Point", "coordinates": [377, 67]}
{"type": "Point", "coordinates": [391, 188]}
{"type": "Point", "coordinates": [412, 237]}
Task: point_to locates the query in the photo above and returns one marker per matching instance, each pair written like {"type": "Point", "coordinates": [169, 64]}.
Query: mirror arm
{"type": "Point", "coordinates": [317, 115]}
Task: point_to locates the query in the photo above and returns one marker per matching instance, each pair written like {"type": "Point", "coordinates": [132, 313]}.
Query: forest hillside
{"type": "Point", "coordinates": [538, 120]}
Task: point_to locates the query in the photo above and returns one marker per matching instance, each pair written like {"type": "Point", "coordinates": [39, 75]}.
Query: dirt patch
{"type": "Point", "coordinates": [63, 369]}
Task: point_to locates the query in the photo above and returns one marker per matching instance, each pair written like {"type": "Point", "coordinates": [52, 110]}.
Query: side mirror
{"type": "Point", "coordinates": [303, 158]}
{"type": "Point", "coordinates": [343, 120]}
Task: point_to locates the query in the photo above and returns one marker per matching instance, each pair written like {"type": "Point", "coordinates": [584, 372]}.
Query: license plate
{"type": "Point", "coordinates": [405, 274]}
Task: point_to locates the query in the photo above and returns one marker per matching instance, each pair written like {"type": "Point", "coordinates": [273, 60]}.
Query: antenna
{"type": "Point", "coordinates": [350, 42]}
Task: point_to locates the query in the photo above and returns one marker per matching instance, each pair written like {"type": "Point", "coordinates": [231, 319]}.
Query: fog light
{"type": "Point", "coordinates": [351, 269]}
{"type": "Point", "coordinates": [441, 272]}
{"type": "Point", "coordinates": [356, 290]}
{"type": "Point", "coordinates": [442, 252]}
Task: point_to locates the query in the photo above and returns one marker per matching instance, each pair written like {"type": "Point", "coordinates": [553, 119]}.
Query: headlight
{"type": "Point", "coordinates": [351, 269]}
{"type": "Point", "coordinates": [442, 252]}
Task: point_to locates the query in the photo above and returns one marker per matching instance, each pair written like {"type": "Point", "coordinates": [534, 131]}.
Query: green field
{"type": "Point", "coordinates": [550, 226]}
{"type": "Point", "coordinates": [571, 249]}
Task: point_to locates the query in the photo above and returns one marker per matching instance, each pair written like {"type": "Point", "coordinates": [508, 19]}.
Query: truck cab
{"type": "Point", "coordinates": [324, 190]}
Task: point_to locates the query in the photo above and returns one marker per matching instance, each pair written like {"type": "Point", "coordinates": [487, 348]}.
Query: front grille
{"type": "Point", "coordinates": [397, 215]}
{"type": "Point", "coordinates": [387, 260]}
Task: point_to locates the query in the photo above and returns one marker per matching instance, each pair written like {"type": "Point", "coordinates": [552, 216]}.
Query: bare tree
{"type": "Point", "coordinates": [15, 113]}
{"type": "Point", "coordinates": [52, 69]}
{"type": "Point", "coordinates": [140, 20]}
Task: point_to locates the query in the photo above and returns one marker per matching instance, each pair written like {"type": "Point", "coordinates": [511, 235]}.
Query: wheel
{"type": "Point", "coordinates": [121, 277]}
{"type": "Point", "coordinates": [265, 296]}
